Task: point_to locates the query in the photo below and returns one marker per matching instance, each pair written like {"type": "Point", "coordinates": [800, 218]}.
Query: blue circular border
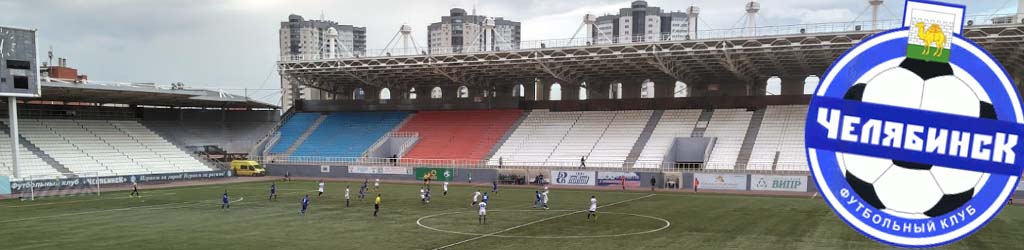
{"type": "Point", "coordinates": [845, 77]}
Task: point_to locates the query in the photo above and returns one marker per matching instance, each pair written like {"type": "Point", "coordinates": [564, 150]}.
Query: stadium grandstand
{"type": "Point", "coordinates": [124, 129]}
{"type": "Point", "coordinates": [648, 105]}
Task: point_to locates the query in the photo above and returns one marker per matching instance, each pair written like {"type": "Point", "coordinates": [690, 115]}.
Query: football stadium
{"type": "Point", "coordinates": [644, 130]}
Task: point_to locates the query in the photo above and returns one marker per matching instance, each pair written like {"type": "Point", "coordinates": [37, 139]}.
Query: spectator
{"type": "Point", "coordinates": [653, 181]}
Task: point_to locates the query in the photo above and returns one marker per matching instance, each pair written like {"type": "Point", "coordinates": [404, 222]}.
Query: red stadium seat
{"type": "Point", "coordinates": [458, 135]}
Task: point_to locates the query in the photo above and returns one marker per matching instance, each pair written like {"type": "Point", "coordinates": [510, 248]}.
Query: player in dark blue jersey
{"type": "Point", "coordinates": [427, 195]}
{"type": "Point", "coordinates": [536, 202]}
{"type": "Point", "coordinates": [225, 201]}
{"type": "Point", "coordinates": [305, 204]}
{"type": "Point", "coordinates": [494, 187]}
{"type": "Point", "coordinates": [486, 198]}
{"type": "Point", "coordinates": [273, 192]}
{"type": "Point", "coordinates": [362, 189]}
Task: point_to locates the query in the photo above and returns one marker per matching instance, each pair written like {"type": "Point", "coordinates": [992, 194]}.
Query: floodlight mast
{"type": "Point", "coordinates": [874, 13]}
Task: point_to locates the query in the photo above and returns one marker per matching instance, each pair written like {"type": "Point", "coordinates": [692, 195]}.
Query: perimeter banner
{"type": "Point", "coordinates": [434, 174]}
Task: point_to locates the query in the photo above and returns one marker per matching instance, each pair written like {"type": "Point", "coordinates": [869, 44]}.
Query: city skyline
{"type": "Point", "coordinates": [197, 43]}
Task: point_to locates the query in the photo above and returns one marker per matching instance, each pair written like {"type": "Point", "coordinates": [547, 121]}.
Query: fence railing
{"type": "Point", "coordinates": [711, 34]}
{"type": "Point", "coordinates": [642, 166]}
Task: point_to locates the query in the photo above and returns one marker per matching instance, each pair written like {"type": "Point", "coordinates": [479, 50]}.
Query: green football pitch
{"type": "Point", "coordinates": [191, 218]}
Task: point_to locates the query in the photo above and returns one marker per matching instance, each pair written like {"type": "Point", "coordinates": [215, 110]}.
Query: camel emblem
{"type": "Point", "coordinates": [931, 36]}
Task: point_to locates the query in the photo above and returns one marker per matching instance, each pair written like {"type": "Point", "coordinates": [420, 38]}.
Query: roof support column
{"type": "Point", "coordinates": [793, 85]}
{"type": "Point", "coordinates": [449, 92]}
{"type": "Point", "coordinates": [664, 88]}
{"type": "Point", "coordinates": [631, 88]}
{"type": "Point", "coordinates": [570, 92]}
{"type": "Point", "coordinates": [598, 89]}
{"type": "Point", "coordinates": [371, 93]}
{"type": "Point", "coordinates": [530, 90]}
{"type": "Point", "coordinates": [757, 87]}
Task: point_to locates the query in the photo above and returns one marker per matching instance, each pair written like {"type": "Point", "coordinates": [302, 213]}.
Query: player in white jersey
{"type": "Point", "coordinates": [476, 195]}
{"type": "Point", "coordinates": [445, 186]}
{"type": "Point", "coordinates": [593, 208]}
{"type": "Point", "coordinates": [346, 195]}
{"type": "Point", "coordinates": [423, 196]}
{"type": "Point", "coordinates": [544, 196]}
{"type": "Point", "coordinates": [376, 185]}
{"type": "Point", "coordinates": [320, 189]}
{"type": "Point", "coordinates": [483, 213]}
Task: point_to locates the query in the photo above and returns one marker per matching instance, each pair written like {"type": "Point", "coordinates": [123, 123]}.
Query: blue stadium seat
{"type": "Point", "coordinates": [347, 134]}
{"type": "Point", "coordinates": [292, 129]}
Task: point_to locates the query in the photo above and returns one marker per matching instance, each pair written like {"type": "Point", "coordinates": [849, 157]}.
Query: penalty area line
{"type": "Point", "coordinates": [535, 222]}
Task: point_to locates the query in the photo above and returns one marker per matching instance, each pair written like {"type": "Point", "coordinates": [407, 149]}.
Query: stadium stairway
{"type": "Point", "coordinates": [702, 123]}
{"type": "Point", "coordinates": [305, 135]}
{"type": "Point", "coordinates": [645, 136]}
{"type": "Point", "coordinates": [348, 134]}
{"type": "Point", "coordinates": [36, 151]}
{"type": "Point", "coordinates": [458, 135]}
{"type": "Point", "coordinates": [291, 129]}
{"type": "Point", "coordinates": [750, 138]}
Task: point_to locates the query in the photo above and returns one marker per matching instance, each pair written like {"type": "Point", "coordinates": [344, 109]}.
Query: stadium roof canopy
{"type": "Point", "coordinates": [143, 94]}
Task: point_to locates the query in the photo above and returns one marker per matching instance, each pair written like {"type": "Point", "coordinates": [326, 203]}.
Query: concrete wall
{"type": "Point", "coordinates": [158, 114]}
{"type": "Point", "coordinates": [687, 149]}
{"type": "Point", "coordinates": [390, 147]}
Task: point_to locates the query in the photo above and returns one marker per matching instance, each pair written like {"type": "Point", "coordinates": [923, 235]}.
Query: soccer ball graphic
{"type": "Point", "coordinates": [905, 188]}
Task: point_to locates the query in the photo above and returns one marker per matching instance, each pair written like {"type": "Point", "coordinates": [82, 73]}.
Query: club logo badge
{"type": "Point", "coordinates": [913, 135]}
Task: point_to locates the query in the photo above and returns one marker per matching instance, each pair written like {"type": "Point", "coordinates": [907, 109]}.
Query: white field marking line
{"type": "Point", "coordinates": [126, 208]}
{"type": "Point", "coordinates": [100, 211]}
{"type": "Point", "coordinates": [667, 225]}
{"type": "Point", "coordinates": [84, 200]}
{"type": "Point", "coordinates": [535, 222]}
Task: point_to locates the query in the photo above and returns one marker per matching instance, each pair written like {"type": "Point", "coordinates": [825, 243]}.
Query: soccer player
{"type": "Point", "coordinates": [544, 197]}
{"type": "Point", "coordinates": [346, 196]}
{"type": "Point", "coordinates": [273, 192]}
{"type": "Point", "coordinates": [593, 208]}
{"type": "Point", "coordinates": [494, 186]}
{"type": "Point", "coordinates": [305, 205]}
{"type": "Point", "coordinates": [695, 184]}
{"type": "Point", "coordinates": [362, 191]}
{"type": "Point", "coordinates": [476, 195]}
{"type": "Point", "coordinates": [225, 201]}
{"type": "Point", "coordinates": [445, 187]}
{"type": "Point", "coordinates": [135, 190]}
{"type": "Point", "coordinates": [536, 200]}
{"type": "Point", "coordinates": [483, 213]}
{"type": "Point", "coordinates": [486, 198]}
{"type": "Point", "coordinates": [376, 205]}
{"type": "Point", "coordinates": [320, 189]}
{"type": "Point", "coordinates": [376, 185]}
{"type": "Point", "coordinates": [427, 195]}
{"type": "Point", "coordinates": [423, 197]}
{"type": "Point", "coordinates": [653, 181]}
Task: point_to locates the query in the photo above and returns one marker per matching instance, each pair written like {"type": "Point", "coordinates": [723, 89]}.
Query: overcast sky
{"type": "Point", "coordinates": [233, 44]}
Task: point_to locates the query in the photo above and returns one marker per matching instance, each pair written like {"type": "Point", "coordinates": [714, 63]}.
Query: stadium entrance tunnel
{"type": "Point", "coordinates": [543, 224]}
